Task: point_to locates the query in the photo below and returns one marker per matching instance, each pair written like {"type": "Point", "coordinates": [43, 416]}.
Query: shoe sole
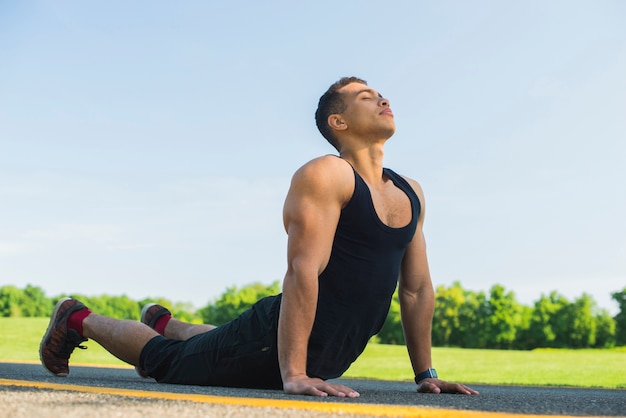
{"type": "Point", "coordinates": [51, 324]}
{"type": "Point", "coordinates": [142, 318]}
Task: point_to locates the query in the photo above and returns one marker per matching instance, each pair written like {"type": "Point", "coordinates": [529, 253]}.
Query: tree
{"type": "Point", "coordinates": [462, 317]}
{"type": "Point", "coordinates": [28, 302]}
{"type": "Point", "coordinates": [473, 317]}
{"type": "Point", "coordinates": [504, 318]}
{"type": "Point", "coordinates": [10, 299]}
{"type": "Point", "coordinates": [35, 302]}
{"type": "Point", "coordinates": [582, 330]}
{"type": "Point", "coordinates": [391, 332]}
{"type": "Point", "coordinates": [446, 322]}
{"type": "Point", "coordinates": [605, 330]}
{"type": "Point", "coordinates": [620, 318]}
{"type": "Point", "coordinates": [119, 307]}
{"type": "Point", "coordinates": [234, 302]}
{"type": "Point", "coordinates": [542, 331]}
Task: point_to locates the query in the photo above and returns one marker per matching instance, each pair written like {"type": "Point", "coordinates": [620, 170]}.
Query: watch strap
{"type": "Point", "coordinates": [428, 373]}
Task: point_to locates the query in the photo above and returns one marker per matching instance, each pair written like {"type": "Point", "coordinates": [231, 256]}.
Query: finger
{"type": "Point", "coordinates": [304, 389]}
{"type": "Point", "coordinates": [313, 391]}
{"type": "Point", "coordinates": [470, 391]}
{"type": "Point", "coordinates": [342, 391]}
{"type": "Point", "coordinates": [350, 393]}
{"type": "Point", "coordinates": [427, 387]}
{"type": "Point", "coordinates": [459, 388]}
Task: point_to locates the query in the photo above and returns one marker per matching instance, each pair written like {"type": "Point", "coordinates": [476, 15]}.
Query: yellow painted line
{"type": "Point", "coordinates": [100, 366]}
{"type": "Point", "coordinates": [327, 407]}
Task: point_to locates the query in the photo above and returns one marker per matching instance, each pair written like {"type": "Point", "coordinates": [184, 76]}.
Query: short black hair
{"type": "Point", "coordinates": [331, 103]}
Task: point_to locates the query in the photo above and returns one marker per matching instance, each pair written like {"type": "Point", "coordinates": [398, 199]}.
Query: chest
{"type": "Point", "coordinates": [391, 204]}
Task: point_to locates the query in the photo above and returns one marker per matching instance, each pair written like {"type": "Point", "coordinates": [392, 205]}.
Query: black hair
{"type": "Point", "coordinates": [331, 103]}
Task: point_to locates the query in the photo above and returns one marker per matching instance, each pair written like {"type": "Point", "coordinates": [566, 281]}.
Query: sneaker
{"type": "Point", "coordinates": [150, 314]}
{"type": "Point", "coordinates": [58, 342]}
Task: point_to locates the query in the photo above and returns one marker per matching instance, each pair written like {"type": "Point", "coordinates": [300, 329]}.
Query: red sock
{"type": "Point", "coordinates": [75, 321]}
{"type": "Point", "coordinates": [161, 323]}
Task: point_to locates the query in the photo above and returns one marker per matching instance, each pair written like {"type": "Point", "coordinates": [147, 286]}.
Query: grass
{"type": "Point", "coordinates": [21, 338]}
{"type": "Point", "coordinates": [603, 368]}
{"type": "Point", "coordinates": [541, 367]}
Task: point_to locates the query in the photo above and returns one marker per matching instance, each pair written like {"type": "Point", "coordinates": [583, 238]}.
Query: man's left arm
{"type": "Point", "coordinates": [417, 303]}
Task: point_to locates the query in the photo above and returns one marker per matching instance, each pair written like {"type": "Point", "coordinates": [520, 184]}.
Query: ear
{"type": "Point", "coordinates": [337, 123]}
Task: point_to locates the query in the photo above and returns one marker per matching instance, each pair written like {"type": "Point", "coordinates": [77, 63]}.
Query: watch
{"type": "Point", "coordinates": [425, 375]}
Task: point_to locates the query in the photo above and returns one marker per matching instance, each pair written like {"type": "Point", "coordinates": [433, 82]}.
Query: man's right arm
{"type": "Point", "coordinates": [311, 214]}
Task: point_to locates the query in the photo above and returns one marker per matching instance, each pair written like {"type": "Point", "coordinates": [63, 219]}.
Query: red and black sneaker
{"type": "Point", "coordinates": [151, 313]}
{"type": "Point", "coordinates": [59, 342]}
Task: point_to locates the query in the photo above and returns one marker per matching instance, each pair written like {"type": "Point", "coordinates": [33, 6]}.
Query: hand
{"type": "Point", "coordinates": [304, 385]}
{"type": "Point", "coordinates": [439, 386]}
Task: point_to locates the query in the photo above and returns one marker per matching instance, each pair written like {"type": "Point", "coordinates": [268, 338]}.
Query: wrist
{"type": "Point", "coordinates": [292, 377]}
{"type": "Point", "coordinates": [426, 374]}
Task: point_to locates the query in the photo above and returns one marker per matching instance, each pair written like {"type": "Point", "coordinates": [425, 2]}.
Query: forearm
{"type": "Point", "coordinates": [297, 314]}
{"type": "Point", "coordinates": [417, 313]}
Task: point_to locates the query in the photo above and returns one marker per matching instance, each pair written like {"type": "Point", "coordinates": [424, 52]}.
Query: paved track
{"type": "Point", "coordinates": [29, 390]}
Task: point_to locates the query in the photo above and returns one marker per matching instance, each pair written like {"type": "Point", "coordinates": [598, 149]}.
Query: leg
{"type": "Point", "coordinates": [179, 330]}
{"type": "Point", "coordinates": [124, 339]}
{"type": "Point", "coordinates": [160, 319]}
{"type": "Point", "coordinates": [241, 353]}
{"type": "Point", "coordinates": [72, 323]}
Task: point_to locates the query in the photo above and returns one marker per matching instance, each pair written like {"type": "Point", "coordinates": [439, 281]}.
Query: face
{"type": "Point", "coordinates": [367, 112]}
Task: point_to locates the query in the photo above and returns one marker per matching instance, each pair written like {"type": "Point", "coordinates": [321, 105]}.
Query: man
{"type": "Point", "coordinates": [354, 232]}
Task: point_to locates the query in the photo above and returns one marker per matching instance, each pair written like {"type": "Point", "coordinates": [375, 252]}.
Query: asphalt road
{"type": "Point", "coordinates": [506, 399]}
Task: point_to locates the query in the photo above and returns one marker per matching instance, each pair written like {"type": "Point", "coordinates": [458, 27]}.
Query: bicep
{"type": "Point", "coordinates": [311, 213]}
{"type": "Point", "coordinates": [310, 226]}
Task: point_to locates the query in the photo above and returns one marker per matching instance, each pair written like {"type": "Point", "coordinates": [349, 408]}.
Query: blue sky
{"type": "Point", "coordinates": [146, 147]}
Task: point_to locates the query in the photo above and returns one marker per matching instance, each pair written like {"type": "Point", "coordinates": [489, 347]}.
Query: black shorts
{"type": "Point", "coordinates": [241, 353]}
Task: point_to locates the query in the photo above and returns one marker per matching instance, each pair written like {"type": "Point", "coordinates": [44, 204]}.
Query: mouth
{"type": "Point", "coordinates": [387, 112]}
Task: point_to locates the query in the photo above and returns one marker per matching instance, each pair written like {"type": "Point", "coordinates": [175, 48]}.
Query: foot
{"type": "Point", "coordinates": [150, 314]}
{"type": "Point", "coordinates": [59, 342]}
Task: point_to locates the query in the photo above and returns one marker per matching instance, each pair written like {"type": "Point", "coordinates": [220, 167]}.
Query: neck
{"type": "Point", "coordinates": [368, 162]}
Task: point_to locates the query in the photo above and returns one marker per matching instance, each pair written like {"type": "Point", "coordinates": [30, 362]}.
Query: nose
{"type": "Point", "coordinates": [383, 102]}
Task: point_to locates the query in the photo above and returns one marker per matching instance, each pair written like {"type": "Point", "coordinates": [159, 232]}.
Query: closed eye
{"type": "Point", "coordinates": [369, 94]}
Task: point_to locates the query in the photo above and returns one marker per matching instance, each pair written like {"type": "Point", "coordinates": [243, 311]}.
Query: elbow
{"type": "Point", "coordinates": [420, 297]}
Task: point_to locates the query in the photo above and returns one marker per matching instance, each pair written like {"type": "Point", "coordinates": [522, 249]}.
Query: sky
{"type": "Point", "coordinates": [146, 147]}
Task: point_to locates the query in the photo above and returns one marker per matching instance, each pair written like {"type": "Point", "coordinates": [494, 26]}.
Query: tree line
{"type": "Point", "coordinates": [494, 319]}
{"type": "Point", "coordinates": [463, 318]}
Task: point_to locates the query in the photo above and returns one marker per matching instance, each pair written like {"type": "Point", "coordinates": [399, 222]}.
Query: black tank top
{"type": "Point", "coordinates": [356, 287]}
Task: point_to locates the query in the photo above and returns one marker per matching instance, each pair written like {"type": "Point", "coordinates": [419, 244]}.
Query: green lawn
{"type": "Point", "coordinates": [542, 367]}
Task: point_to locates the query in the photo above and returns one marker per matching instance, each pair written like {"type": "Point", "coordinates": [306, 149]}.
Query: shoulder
{"type": "Point", "coordinates": [325, 175]}
{"type": "Point", "coordinates": [327, 165]}
{"type": "Point", "coordinates": [417, 188]}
